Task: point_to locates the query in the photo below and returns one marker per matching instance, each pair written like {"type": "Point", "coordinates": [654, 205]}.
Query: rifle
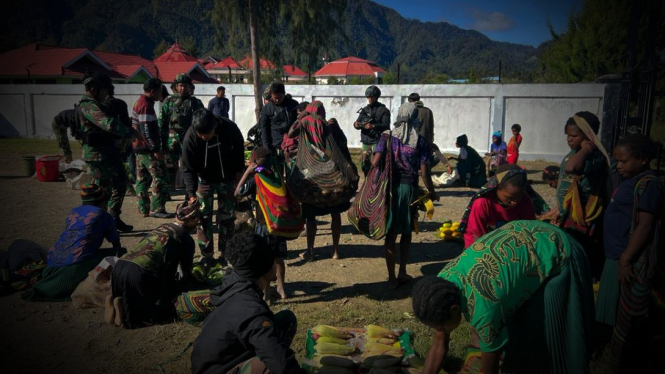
{"type": "Point", "coordinates": [365, 117]}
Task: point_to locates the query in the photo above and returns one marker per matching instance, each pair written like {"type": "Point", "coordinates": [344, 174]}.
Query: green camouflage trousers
{"type": "Point", "coordinates": [111, 176]}
{"type": "Point", "coordinates": [286, 325]}
{"type": "Point", "coordinates": [225, 217]}
{"type": "Point", "coordinates": [366, 157]}
{"type": "Point", "coordinates": [150, 179]}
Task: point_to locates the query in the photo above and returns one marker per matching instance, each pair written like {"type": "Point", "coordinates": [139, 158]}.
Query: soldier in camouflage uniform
{"type": "Point", "coordinates": [151, 171]}
{"type": "Point", "coordinates": [102, 135]}
{"type": "Point", "coordinates": [176, 117]}
{"type": "Point", "coordinates": [63, 121]}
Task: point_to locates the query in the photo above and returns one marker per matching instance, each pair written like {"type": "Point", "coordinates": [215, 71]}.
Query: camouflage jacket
{"type": "Point", "coordinates": [176, 115]}
{"type": "Point", "coordinates": [102, 132]}
{"type": "Point", "coordinates": [62, 122]}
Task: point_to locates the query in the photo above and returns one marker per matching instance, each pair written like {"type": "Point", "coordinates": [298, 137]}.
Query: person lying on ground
{"type": "Point", "coordinates": [78, 250]}
{"type": "Point", "coordinates": [242, 335]}
{"type": "Point", "coordinates": [143, 282]}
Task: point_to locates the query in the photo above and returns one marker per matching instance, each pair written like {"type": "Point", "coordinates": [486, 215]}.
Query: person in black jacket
{"type": "Point", "coordinates": [242, 335]}
{"type": "Point", "coordinates": [213, 160]}
{"type": "Point", "coordinates": [277, 117]}
{"type": "Point", "coordinates": [63, 121]}
{"type": "Point", "coordinates": [373, 119]}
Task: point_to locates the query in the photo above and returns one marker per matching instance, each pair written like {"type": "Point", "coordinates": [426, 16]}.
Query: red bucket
{"type": "Point", "coordinates": [48, 168]}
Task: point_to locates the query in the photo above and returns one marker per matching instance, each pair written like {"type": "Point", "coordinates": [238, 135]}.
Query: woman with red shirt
{"type": "Point", "coordinates": [502, 200]}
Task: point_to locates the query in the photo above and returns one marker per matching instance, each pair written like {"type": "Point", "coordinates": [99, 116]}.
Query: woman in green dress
{"type": "Point", "coordinates": [525, 290]}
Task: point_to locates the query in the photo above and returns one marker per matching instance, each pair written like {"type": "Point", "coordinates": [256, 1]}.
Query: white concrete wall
{"type": "Point", "coordinates": [477, 110]}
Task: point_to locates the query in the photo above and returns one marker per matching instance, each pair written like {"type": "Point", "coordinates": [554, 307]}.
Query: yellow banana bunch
{"type": "Point", "coordinates": [333, 349]}
{"type": "Point", "coordinates": [331, 332]}
{"type": "Point", "coordinates": [386, 341]}
{"type": "Point", "coordinates": [374, 331]}
{"type": "Point", "coordinates": [327, 339]}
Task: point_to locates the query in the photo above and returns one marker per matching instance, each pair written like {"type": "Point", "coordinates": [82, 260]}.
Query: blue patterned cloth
{"type": "Point", "coordinates": [86, 228]}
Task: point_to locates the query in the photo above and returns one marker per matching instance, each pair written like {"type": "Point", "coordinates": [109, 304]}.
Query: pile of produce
{"type": "Point", "coordinates": [372, 349]}
{"type": "Point", "coordinates": [448, 231]}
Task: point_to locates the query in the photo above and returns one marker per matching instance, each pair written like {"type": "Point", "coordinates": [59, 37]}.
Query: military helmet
{"type": "Point", "coordinates": [183, 78]}
{"type": "Point", "coordinates": [373, 91]}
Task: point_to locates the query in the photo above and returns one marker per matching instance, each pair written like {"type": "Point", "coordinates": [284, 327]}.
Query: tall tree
{"type": "Point", "coordinates": [307, 26]}
{"type": "Point", "coordinates": [594, 43]}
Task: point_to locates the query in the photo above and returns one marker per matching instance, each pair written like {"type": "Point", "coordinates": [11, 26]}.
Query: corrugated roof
{"type": "Point", "coordinates": [169, 70]}
{"type": "Point", "coordinates": [293, 71]}
{"type": "Point", "coordinates": [247, 63]}
{"type": "Point", "coordinates": [38, 60]}
{"type": "Point", "coordinates": [350, 67]}
{"type": "Point", "coordinates": [175, 53]}
{"type": "Point", "coordinates": [226, 63]}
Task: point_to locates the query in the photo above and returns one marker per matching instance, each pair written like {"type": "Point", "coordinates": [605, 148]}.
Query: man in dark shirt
{"type": "Point", "coordinates": [277, 117]}
{"type": "Point", "coordinates": [219, 105]}
{"type": "Point", "coordinates": [213, 160]}
{"type": "Point", "coordinates": [242, 335]}
{"type": "Point", "coordinates": [372, 121]}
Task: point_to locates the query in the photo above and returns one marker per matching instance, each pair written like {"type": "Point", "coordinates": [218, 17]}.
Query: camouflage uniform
{"type": "Point", "coordinates": [151, 172]}
{"type": "Point", "coordinates": [175, 118]}
{"type": "Point", "coordinates": [225, 217]}
{"type": "Point", "coordinates": [103, 135]}
{"type": "Point", "coordinates": [62, 122]}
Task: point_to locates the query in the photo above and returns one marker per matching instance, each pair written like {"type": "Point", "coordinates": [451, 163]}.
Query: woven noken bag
{"type": "Point", "coordinates": [369, 211]}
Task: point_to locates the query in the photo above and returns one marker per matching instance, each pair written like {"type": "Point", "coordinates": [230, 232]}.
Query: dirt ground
{"type": "Point", "coordinates": [57, 338]}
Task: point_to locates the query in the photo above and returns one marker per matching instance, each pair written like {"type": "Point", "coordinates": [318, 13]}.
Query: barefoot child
{"type": "Point", "coordinates": [514, 144]}
{"type": "Point", "coordinates": [632, 231]}
{"type": "Point", "coordinates": [246, 187]}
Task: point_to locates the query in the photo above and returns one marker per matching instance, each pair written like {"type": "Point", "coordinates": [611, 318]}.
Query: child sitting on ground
{"type": "Point", "coordinates": [497, 153]}
{"type": "Point", "coordinates": [247, 187]}
{"type": "Point", "coordinates": [514, 144]}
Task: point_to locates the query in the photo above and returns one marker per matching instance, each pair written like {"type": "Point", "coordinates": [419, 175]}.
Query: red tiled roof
{"type": "Point", "coordinates": [293, 71]}
{"type": "Point", "coordinates": [348, 67]}
{"type": "Point", "coordinates": [168, 71]}
{"type": "Point", "coordinates": [175, 53]}
{"type": "Point", "coordinates": [127, 65]}
{"type": "Point", "coordinates": [265, 64]}
{"type": "Point", "coordinates": [50, 61]}
{"type": "Point", "coordinates": [226, 63]}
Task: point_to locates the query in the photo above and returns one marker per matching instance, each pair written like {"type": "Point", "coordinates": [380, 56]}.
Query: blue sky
{"type": "Point", "coordinates": [515, 21]}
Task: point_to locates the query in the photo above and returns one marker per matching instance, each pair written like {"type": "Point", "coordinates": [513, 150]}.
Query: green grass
{"type": "Point", "coordinates": [35, 146]}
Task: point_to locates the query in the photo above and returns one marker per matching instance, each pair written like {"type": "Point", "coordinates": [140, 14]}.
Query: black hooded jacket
{"type": "Point", "coordinates": [240, 327]}
{"type": "Point", "coordinates": [215, 161]}
{"type": "Point", "coordinates": [378, 115]}
{"type": "Point", "coordinates": [275, 121]}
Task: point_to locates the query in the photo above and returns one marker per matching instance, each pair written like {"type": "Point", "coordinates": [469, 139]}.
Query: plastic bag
{"type": "Point", "coordinates": [445, 179]}
{"type": "Point", "coordinates": [92, 292]}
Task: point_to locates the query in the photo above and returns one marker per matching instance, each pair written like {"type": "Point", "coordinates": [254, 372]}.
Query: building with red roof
{"type": "Point", "coordinates": [175, 53]}
{"type": "Point", "coordinates": [46, 64]}
{"type": "Point", "coordinates": [293, 73]}
{"type": "Point", "coordinates": [348, 67]}
{"type": "Point", "coordinates": [227, 70]}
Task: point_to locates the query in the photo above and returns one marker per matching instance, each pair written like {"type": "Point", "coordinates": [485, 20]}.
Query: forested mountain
{"type": "Point", "coordinates": [373, 32]}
